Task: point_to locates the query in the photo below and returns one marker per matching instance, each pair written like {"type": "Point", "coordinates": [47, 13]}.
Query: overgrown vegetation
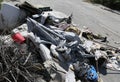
{"type": "Point", "coordinates": [114, 4]}
{"type": "Point", "coordinates": [1, 2]}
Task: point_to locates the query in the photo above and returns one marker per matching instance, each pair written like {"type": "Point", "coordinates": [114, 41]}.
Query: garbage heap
{"type": "Point", "coordinates": [41, 45]}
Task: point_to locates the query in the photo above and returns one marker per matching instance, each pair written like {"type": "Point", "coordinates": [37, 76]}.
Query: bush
{"type": "Point", "coordinates": [114, 4]}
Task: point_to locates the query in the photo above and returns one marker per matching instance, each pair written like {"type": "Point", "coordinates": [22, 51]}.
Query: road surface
{"type": "Point", "coordinates": [93, 16]}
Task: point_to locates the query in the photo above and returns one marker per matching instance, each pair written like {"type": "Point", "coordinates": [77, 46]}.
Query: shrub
{"type": "Point", "coordinates": [114, 4]}
{"type": "Point", "coordinates": [0, 3]}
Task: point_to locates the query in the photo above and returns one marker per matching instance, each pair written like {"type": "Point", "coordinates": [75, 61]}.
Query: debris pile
{"type": "Point", "coordinates": [41, 45]}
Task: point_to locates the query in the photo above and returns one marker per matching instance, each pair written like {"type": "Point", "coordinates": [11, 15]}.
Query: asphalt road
{"type": "Point", "coordinates": [93, 16]}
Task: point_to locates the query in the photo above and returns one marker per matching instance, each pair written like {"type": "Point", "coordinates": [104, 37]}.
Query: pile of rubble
{"type": "Point", "coordinates": [41, 45]}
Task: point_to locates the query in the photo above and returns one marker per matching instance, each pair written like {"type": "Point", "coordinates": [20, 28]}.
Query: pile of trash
{"type": "Point", "coordinates": [41, 45]}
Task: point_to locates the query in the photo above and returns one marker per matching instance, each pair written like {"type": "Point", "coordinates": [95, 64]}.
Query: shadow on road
{"type": "Point", "coordinates": [105, 71]}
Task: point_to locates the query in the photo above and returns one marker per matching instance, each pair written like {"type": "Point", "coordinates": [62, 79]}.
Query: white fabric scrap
{"type": "Point", "coordinates": [70, 76]}
{"type": "Point", "coordinates": [113, 64]}
{"type": "Point", "coordinates": [87, 45]}
{"type": "Point", "coordinates": [99, 54]}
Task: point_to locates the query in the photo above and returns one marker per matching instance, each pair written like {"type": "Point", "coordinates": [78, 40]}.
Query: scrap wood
{"type": "Point", "coordinates": [108, 46]}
